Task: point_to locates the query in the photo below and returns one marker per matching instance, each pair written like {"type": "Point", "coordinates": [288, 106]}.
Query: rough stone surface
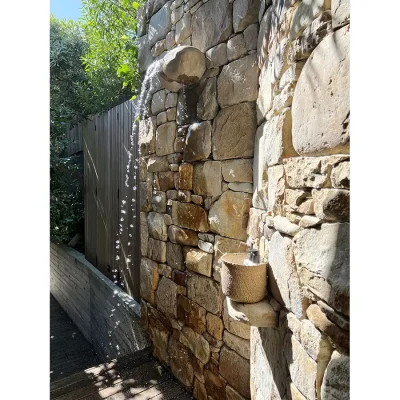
{"type": "Point", "coordinates": [157, 226]}
{"type": "Point", "coordinates": [182, 236]}
{"type": "Point", "coordinates": [241, 187]}
{"type": "Point", "coordinates": [207, 178]}
{"type": "Point", "coordinates": [158, 102]}
{"type": "Point", "coordinates": [238, 344]}
{"type": "Point", "coordinates": [199, 390]}
{"type": "Point", "coordinates": [184, 64]}
{"type": "Point", "coordinates": [236, 47]}
{"type": "Point", "coordinates": [283, 279]}
{"type": "Point", "coordinates": [157, 250]}
{"type": "Point", "coordinates": [211, 24]}
{"type": "Point", "coordinates": [174, 255]}
{"type": "Point", "coordinates": [264, 100]}
{"type": "Point", "coordinates": [144, 234]}
{"type": "Point", "coordinates": [186, 176]}
{"type": "Point", "coordinates": [215, 326]}
{"type": "Point", "coordinates": [283, 225]}
{"type": "Point", "coordinates": [325, 268]}
{"type": "Point", "coordinates": [165, 181]}
{"type": "Point", "coordinates": [215, 385]}
{"type": "Point", "coordinates": [147, 134]}
{"type": "Point", "coordinates": [230, 206]}
{"type": "Point", "coordinates": [196, 343]}
{"type": "Point", "coordinates": [304, 14]}
{"type": "Point", "coordinates": [160, 24]}
{"type": "Point", "coordinates": [191, 314]}
{"type": "Point", "coordinates": [336, 383]}
{"type": "Point", "coordinates": [250, 36]}
{"type": "Point", "coordinates": [340, 13]}
{"type": "Point", "coordinates": [198, 142]}
{"type": "Point", "coordinates": [245, 13]}
{"type": "Point", "coordinates": [207, 107]}
{"type": "Point", "coordinates": [217, 56]}
{"type": "Point", "coordinates": [183, 28]}
{"type": "Point", "coordinates": [181, 362]}
{"type": "Point", "coordinates": [332, 204]}
{"type": "Point", "coordinates": [162, 118]}
{"type": "Point", "coordinates": [198, 261]}
{"type": "Point", "coordinates": [276, 188]}
{"type": "Point", "coordinates": [238, 81]}
{"type": "Point", "coordinates": [157, 164]}
{"type": "Point", "coordinates": [340, 175]}
{"type": "Point", "coordinates": [166, 296]}
{"type": "Point", "coordinates": [310, 172]}
{"type": "Point", "coordinates": [165, 137]}
{"type": "Point", "coordinates": [240, 170]}
{"type": "Point", "coordinates": [160, 344]}
{"type": "Point", "coordinates": [303, 369]}
{"type": "Point", "coordinates": [206, 292]}
{"type": "Point", "coordinates": [321, 110]}
{"type": "Point", "coordinates": [190, 216]}
{"type": "Point", "coordinates": [238, 328]}
{"type": "Point", "coordinates": [236, 370]}
{"type": "Point", "coordinates": [233, 132]}
{"type": "Point", "coordinates": [148, 279]}
{"type": "Point", "coordinates": [186, 109]}
{"type": "Point", "coordinates": [232, 394]}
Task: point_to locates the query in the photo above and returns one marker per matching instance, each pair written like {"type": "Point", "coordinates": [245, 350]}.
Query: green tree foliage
{"type": "Point", "coordinates": [111, 58]}
{"type": "Point", "coordinates": [69, 90]}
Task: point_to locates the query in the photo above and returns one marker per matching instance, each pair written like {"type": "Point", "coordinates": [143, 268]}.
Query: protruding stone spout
{"type": "Point", "coordinates": [184, 65]}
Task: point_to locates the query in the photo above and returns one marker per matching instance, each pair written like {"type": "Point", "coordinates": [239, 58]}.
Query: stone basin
{"type": "Point", "coordinates": [243, 283]}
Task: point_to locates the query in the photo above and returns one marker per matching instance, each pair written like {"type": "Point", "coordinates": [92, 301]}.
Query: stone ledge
{"type": "Point", "coordinates": [259, 314]}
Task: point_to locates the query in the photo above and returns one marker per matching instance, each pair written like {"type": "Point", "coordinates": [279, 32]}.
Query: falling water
{"type": "Point", "coordinates": [149, 85]}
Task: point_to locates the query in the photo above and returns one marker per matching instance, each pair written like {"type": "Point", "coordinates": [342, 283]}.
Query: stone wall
{"type": "Point", "coordinates": [107, 316]}
{"type": "Point", "coordinates": [256, 151]}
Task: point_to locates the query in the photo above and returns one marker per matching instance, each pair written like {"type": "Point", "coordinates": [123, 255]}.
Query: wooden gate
{"type": "Point", "coordinates": [112, 230]}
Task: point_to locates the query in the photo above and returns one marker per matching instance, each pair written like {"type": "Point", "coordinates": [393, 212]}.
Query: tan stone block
{"type": "Point", "coordinates": [196, 343]}
{"type": "Point", "coordinates": [166, 296]}
{"type": "Point", "coordinates": [198, 261]}
{"type": "Point", "coordinates": [238, 344]}
{"type": "Point", "coordinates": [215, 326]}
{"type": "Point", "coordinates": [191, 314]}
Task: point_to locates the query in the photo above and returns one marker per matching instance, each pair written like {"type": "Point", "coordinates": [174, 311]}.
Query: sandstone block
{"type": "Point", "coordinates": [245, 13]}
{"type": "Point", "coordinates": [240, 170]}
{"type": "Point", "coordinates": [165, 137]}
{"type": "Point", "coordinates": [190, 216]}
{"type": "Point", "coordinates": [276, 188]}
{"type": "Point", "coordinates": [144, 234]}
{"type": "Point", "coordinates": [148, 279]}
{"type": "Point", "coordinates": [267, 82]}
{"type": "Point", "coordinates": [158, 202]}
{"type": "Point", "coordinates": [340, 175]}
{"type": "Point", "coordinates": [196, 343]}
{"type": "Point", "coordinates": [157, 226]}
{"type": "Point", "coordinates": [250, 36]}
{"type": "Point", "coordinates": [325, 268]}
{"type": "Point", "coordinates": [340, 13]}
{"type": "Point", "coordinates": [199, 390]}
{"type": "Point", "coordinates": [317, 130]}
{"type": "Point", "coordinates": [198, 261]}
{"type": "Point", "coordinates": [198, 142]}
{"type": "Point", "coordinates": [166, 296]}
{"type": "Point", "coordinates": [310, 172]}
{"type": "Point", "coordinates": [157, 164]}
{"type": "Point", "coordinates": [181, 362]}
{"type": "Point", "coordinates": [147, 134]}
{"type": "Point", "coordinates": [206, 292]}
{"type": "Point", "coordinates": [236, 47]}
{"type": "Point", "coordinates": [233, 132]}
{"type": "Point", "coordinates": [158, 102]}
{"type": "Point", "coordinates": [215, 385]}
{"type": "Point", "coordinates": [232, 394]}
{"type": "Point", "coordinates": [211, 24]}
{"type": "Point", "coordinates": [160, 344]}
{"type": "Point", "coordinates": [215, 326]}
{"type": "Point", "coordinates": [165, 181]}
{"type": "Point", "coordinates": [232, 90]}
{"type": "Point", "coordinates": [205, 246]}
{"type": "Point", "coordinates": [174, 256]}
{"type": "Point", "coordinates": [183, 28]}
{"type": "Point", "coordinates": [182, 236]}
{"type": "Point", "coordinates": [230, 206]}
{"type": "Point", "coordinates": [207, 107]}
{"type": "Point", "coordinates": [186, 176]}
{"type": "Point", "coordinates": [160, 24]}
{"type": "Point", "coordinates": [217, 56]}
{"type": "Point", "coordinates": [207, 178]}
{"type": "Point", "coordinates": [191, 314]}
{"type": "Point", "coordinates": [283, 225]}
{"type": "Point", "coordinates": [332, 204]}
{"type": "Point", "coordinates": [236, 370]}
{"type": "Point", "coordinates": [284, 281]}
{"type": "Point", "coordinates": [336, 383]}
{"type": "Point", "coordinates": [238, 344]}
{"type": "Point", "coordinates": [157, 250]}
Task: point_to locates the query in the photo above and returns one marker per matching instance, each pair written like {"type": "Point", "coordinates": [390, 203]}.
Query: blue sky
{"type": "Point", "coordinates": [69, 9]}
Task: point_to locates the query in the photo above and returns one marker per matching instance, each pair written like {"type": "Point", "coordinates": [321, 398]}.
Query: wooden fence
{"type": "Point", "coordinates": [106, 144]}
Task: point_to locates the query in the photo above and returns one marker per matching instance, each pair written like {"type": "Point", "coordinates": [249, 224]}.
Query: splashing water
{"type": "Point", "coordinates": [149, 85]}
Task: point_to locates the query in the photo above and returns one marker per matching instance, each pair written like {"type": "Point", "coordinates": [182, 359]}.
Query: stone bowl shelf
{"type": "Point", "coordinates": [260, 314]}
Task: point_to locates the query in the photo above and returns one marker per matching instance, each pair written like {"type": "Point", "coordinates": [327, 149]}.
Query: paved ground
{"type": "Point", "coordinates": [76, 372]}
